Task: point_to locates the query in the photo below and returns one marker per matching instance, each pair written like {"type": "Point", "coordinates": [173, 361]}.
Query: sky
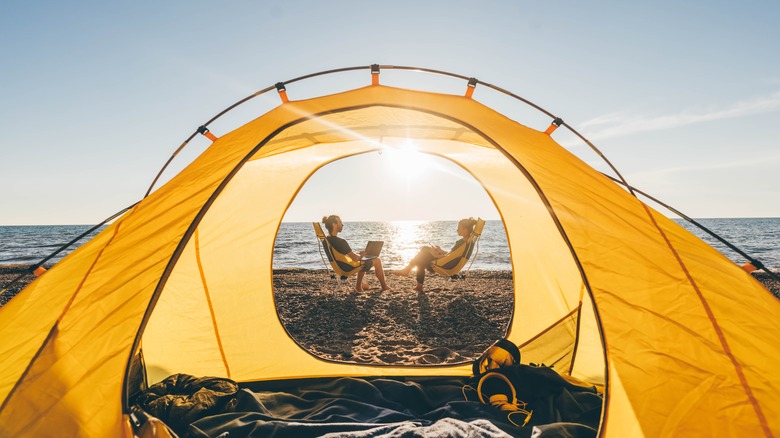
{"type": "Point", "coordinates": [682, 97]}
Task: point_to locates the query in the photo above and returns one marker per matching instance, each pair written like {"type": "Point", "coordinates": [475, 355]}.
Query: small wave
{"type": "Point", "coordinates": [52, 245]}
{"type": "Point", "coordinates": [20, 259]}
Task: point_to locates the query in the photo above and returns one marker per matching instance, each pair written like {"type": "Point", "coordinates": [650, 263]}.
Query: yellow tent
{"type": "Point", "coordinates": [684, 340]}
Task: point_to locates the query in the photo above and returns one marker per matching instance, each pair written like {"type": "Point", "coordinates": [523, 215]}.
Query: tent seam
{"type": "Point", "coordinates": [55, 328]}
{"type": "Point", "coordinates": [208, 300]}
{"type": "Point", "coordinates": [721, 337]}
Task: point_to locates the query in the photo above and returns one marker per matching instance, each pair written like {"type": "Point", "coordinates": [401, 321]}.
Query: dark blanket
{"type": "Point", "coordinates": [431, 407]}
{"type": "Point", "coordinates": [552, 398]}
{"type": "Point", "coordinates": [181, 399]}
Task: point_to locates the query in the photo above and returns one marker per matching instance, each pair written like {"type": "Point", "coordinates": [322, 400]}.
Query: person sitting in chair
{"type": "Point", "coordinates": [428, 254]}
{"type": "Point", "coordinates": [334, 225]}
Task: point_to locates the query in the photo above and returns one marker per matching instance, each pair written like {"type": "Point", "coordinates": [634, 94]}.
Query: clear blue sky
{"type": "Point", "coordinates": [683, 97]}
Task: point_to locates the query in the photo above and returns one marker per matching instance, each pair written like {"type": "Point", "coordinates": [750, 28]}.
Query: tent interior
{"type": "Point", "coordinates": [231, 255]}
{"type": "Point", "coordinates": [226, 268]}
{"type": "Point", "coordinates": [614, 293]}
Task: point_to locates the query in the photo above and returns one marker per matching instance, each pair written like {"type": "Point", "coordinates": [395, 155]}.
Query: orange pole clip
{"type": "Point", "coordinates": [554, 125]}
{"type": "Point", "coordinates": [282, 92]}
{"type": "Point", "coordinates": [39, 271]}
{"type": "Point", "coordinates": [748, 267]}
{"type": "Point", "coordinates": [472, 85]}
{"type": "Point", "coordinates": [374, 74]}
{"type": "Point", "coordinates": [203, 130]}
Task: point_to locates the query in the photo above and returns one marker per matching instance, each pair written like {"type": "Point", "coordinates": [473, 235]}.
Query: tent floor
{"type": "Point", "coordinates": [379, 406]}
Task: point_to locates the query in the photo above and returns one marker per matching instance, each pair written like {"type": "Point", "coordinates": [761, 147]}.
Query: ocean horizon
{"type": "Point", "coordinates": [296, 245]}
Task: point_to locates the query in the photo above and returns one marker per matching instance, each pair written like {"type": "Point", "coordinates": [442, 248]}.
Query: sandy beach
{"type": "Point", "coordinates": [447, 323]}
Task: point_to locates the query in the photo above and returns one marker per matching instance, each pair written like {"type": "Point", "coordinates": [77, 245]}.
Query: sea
{"type": "Point", "coordinates": [296, 246]}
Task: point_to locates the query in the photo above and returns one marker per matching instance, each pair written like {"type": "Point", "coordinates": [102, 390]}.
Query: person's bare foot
{"type": "Point", "coordinates": [418, 288]}
{"type": "Point", "coordinates": [365, 286]}
{"type": "Point", "coordinates": [398, 272]}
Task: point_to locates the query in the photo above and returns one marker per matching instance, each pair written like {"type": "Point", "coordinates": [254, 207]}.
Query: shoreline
{"type": "Point", "coordinates": [10, 271]}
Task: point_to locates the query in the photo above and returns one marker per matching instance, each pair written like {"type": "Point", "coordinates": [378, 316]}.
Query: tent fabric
{"type": "Point", "coordinates": [684, 340]}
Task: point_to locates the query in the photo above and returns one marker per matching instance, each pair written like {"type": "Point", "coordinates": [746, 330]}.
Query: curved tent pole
{"type": "Point", "coordinates": [197, 131]}
{"type": "Point", "coordinates": [165, 166]}
{"type": "Point", "coordinates": [32, 268]}
{"type": "Point", "coordinates": [751, 260]}
{"type": "Point", "coordinates": [574, 131]}
{"type": "Point", "coordinates": [226, 110]}
{"type": "Point", "coordinates": [326, 72]}
{"type": "Point", "coordinates": [595, 149]}
{"type": "Point", "coordinates": [377, 67]}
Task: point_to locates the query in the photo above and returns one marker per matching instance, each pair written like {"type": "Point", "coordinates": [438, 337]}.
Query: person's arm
{"type": "Point", "coordinates": [458, 244]}
{"type": "Point", "coordinates": [343, 247]}
{"type": "Point", "coordinates": [352, 254]}
{"type": "Point", "coordinates": [437, 251]}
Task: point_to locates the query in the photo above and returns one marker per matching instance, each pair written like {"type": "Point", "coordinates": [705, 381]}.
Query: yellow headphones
{"type": "Point", "coordinates": [498, 400]}
{"type": "Point", "coordinates": [509, 404]}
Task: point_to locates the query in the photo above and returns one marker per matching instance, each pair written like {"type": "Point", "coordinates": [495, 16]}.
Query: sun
{"type": "Point", "coordinates": [405, 161]}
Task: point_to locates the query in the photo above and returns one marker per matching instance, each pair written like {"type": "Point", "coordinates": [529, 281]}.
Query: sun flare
{"type": "Point", "coordinates": [405, 161]}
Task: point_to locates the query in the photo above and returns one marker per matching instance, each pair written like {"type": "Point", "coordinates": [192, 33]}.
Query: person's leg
{"type": "Point", "coordinates": [420, 278]}
{"type": "Point", "coordinates": [380, 273]}
{"type": "Point", "coordinates": [423, 263]}
{"type": "Point", "coordinates": [360, 285]}
{"type": "Point", "coordinates": [423, 258]}
{"type": "Point", "coordinates": [403, 272]}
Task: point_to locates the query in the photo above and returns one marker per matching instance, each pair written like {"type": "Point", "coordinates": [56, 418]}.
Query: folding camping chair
{"type": "Point", "coordinates": [451, 264]}
{"type": "Point", "coordinates": [335, 260]}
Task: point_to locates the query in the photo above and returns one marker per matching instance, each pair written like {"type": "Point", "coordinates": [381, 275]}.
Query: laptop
{"type": "Point", "coordinates": [373, 248]}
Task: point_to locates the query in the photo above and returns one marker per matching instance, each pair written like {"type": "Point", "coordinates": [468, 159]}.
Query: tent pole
{"type": "Point", "coordinates": [470, 81]}
{"type": "Point", "coordinates": [32, 268]}
{"type": "Point", "coordinates": [752, 261]}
